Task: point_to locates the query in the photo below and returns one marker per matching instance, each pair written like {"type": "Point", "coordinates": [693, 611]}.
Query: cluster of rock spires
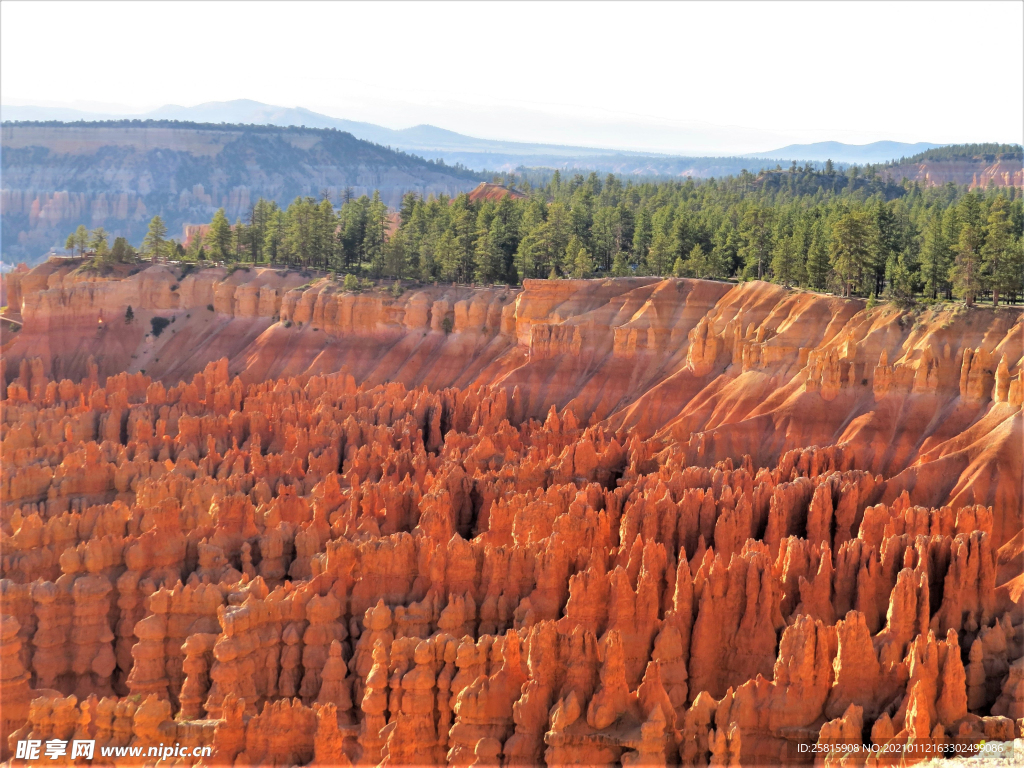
{"type": "Point", "coordinates": [928, 398]}
{"type": "Point", "coordinates": [310, 571]}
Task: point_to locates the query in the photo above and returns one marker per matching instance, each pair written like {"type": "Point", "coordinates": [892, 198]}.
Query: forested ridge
{"type": "Point", "coordinates": [989, 152]}
{"type": "Point", "coordinates": [852, 232]}
{"type": "Point", "coordinates": [117, 175]}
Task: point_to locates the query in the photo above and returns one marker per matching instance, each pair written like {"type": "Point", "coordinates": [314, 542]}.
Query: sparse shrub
{"type": "Point", "coordinates": [287, 323]}
{"type": "Point", "coordinates": [350, 283]}
{"type": "Point", "coordinates": [158, 324]}
{"type": "Point", "coordinates": [174, 287]}
{"type": "Point", "coordinates": [210, 307]}
{"type": "Point", "coordinates": [397, 289]}
{"type": "Point", "coordinates": [872, 301]}
{"type": "Point", "coordinates": [129, 315]}
{"type": "Point", "coordinates": [447, 325]}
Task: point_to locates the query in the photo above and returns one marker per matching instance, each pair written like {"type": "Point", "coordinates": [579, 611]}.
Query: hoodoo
{"type": "Point", "coordinates": [631, 521]}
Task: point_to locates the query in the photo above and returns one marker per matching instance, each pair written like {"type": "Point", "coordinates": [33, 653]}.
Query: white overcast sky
{"type": "Point", "coordinates": [687, 77]}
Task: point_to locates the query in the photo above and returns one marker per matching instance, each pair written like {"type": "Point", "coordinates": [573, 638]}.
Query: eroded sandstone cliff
{"type": "Point", "coordinates": [656, 522]}
{"type": "Point", "coordinates": [930, 399]}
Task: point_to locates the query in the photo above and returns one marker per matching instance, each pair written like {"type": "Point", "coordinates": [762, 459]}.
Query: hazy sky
{"type": "Point", "coordinates": [688, 77]}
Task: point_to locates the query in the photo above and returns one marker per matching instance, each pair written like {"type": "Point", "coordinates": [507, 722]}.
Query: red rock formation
{"type": "Point", "coordinates": [307, 571]}
{"type": "Point", "coordinates": [14, 682]}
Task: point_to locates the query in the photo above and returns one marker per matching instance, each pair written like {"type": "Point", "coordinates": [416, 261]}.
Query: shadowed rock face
{"type": "Point", "coordinates": [638, 521]}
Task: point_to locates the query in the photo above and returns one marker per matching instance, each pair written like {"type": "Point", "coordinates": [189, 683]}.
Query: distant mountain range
{"type": "Point", "coordinates": [425, 140]}
{"type": "Point", "coordinates": [853, 154]}
{"type": "Point", "coordinates": [484, 154]}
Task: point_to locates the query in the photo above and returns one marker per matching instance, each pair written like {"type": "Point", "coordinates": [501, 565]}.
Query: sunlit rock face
{"type": "Point", "coordinates": [631, 522]}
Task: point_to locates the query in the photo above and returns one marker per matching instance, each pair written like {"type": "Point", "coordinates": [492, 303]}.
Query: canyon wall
{"type": "Point", "coordinates": [977, 173]}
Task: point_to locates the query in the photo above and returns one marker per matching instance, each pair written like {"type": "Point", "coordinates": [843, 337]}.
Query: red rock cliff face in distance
{"type": "Point", "coordinates": [640, 521]}
{"type": "Point", "coordinates": [976, 173]}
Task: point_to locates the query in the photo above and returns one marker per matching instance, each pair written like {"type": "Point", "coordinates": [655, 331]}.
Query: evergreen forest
{"type": "Point", "coordinates": [850, 232]}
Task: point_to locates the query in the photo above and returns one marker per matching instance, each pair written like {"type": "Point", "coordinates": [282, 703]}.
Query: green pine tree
{"type": "Point", "coordinates": [557, 235]}
{"type": "Point", "coordinates": [620, 266]}
{"type": "Point", "coordinates": [577, 255]}
{"type": "Point", "coordinates": [81, 238]}
{"type": "Point", "coordinates": [218, 238]}
{"type": "Point", "coordinates": [1000, 272]}
{"type": "Point", "coordinates": [122, 251]}
{"type": "Point", "coordinates": [448, 256]}
{"type": "Point", "coordinates": [885, 247]}
{"type": "Point", "coordinates": [643, 235]}
{"type": "Point", "coordinates": [98, 242]}
{"type": "Point", "coordinates": [818, 265]}
{"type": "Point", "coordinates": [679, 267]}
{"type": "Point", "coordinates": [659, 257]}
{"type": "Point", "coordinates": [697, 263]}
{"type": "Point", "coordinates": [756, 233]}
{"type": "Point", "coordinates": [966, 275]}
{"type": "Point", "coordinates": [273, 234]}
{"type": "Point", "coordinates": [490, 262]}
{"type": "Point", "coordinates": [153, 243]}
{"type": "Point", "coordinates": [786, 260]}
{"type": "Point", "coordinates": [850, 248]}
{"type": "Point", "coordinates": [935, 258]}
{"type": "Point", "coordinates": [396, 258]}
{"type": "Point", "coordinates": [900, 281]}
